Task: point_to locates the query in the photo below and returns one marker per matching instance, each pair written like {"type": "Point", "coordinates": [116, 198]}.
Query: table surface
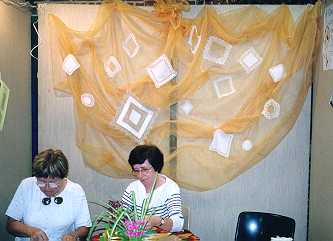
{"type": "Point", "coordinates": [161, 235]}
{"type": "Point", "coordinates": [183, 235]}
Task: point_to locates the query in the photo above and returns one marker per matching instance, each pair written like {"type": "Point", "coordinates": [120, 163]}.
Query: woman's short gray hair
{"type": "Point", "coordinates": [50, 163]}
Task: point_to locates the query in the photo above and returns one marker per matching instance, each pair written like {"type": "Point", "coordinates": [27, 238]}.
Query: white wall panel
{"type": "Point", "coordinates": [15, 138]}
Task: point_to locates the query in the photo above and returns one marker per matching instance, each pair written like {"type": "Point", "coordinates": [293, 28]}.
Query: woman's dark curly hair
{"type": "Point", "coordinates": [150, 153]}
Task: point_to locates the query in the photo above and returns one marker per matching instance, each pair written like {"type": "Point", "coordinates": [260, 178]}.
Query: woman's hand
{"type": "Point", "coordinates": [157, 222]}
{"type": "Point", "coordinates": [77, 234]}
{"type": "Point", "coordinates": [20, 229]}
{"type": "Point", "coordinates": [37, 234]}
{"type": "Point", "coordinates": [152, 221]}
{"type": "Point", "coordinates": [68, 237]}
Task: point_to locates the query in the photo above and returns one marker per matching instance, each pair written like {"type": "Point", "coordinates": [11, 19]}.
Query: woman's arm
{"type": "Point", "coordinates": [157, 221]}
{"type": "Point", "coordinates": [78, 234]}
{"type": "Point", "coordinates": [82, 220]}
{"type": "Point", "coordinates": [174, 222]}
{"type": "Point", "coordinates": [174, 207]}
{"type": "Point", "coordinates": [20, 229]}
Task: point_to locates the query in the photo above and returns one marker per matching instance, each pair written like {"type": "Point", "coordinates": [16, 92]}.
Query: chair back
{"type": "Point", "coordinates": [186, 215]}
{"type": "Point", "coordinates": [257, 226]}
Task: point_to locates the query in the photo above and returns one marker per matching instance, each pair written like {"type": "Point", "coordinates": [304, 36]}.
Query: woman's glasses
{"type": "Point", "coordinates": [141, 171]}
{"type": "Point", "coordinates": [53, 184]}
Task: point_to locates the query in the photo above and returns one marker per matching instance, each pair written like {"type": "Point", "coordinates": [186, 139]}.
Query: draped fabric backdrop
{"type": "Point", "coordinates": [216, 93]}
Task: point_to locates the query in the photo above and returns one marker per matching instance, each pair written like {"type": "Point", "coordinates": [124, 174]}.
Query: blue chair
{"type": "Point", "coordinates": [257, 226]}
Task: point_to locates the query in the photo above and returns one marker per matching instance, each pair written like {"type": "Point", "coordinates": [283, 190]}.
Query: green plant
{"type": "Point", "coordinates": [116, 221]}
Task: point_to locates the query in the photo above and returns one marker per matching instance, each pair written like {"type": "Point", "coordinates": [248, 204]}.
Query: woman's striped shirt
{"type": "Point", "coordinates": [166, 201]}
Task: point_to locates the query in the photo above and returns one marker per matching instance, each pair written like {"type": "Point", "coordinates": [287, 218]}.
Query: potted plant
{"type": "Point", "coordinates": [117, 223]}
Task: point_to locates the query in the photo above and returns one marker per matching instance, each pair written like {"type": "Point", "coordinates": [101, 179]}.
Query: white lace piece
{"type": "Point", "coordinates": [4, 97]}
{"type": "Point", "coordinates": [271, 109]}
{"type": "Point", "coordinates": [135, 118]}
{"type": "Point", "coordinates": [112, 61]}
{"type": "Point", "coordinates": [224, 86]}
{"type": "Point", "coordinates": [250, 60]}
{"type": "Point", "coordinates": [211, 55]}
{"type": "Point", "coordinates": [247, 145]}
{"type": "Point", "coordinates": [331, 101]}
{"type": "Point", "coordinates": [61, 94]}
{"type": "Point", "coordinates": [192, 37]}
{"type": "Point", "coordinates": [40, 41]}
{"type": "Point", "coordinates": [277, 72]}
{"type": "Point", "coordinates": [186, 106]}
{"type": "Point", "coordinates": [126, 46]}
{"type": "Point", "coordinates": [87, 100]}
{"type": "Point", "coordinates": [221, 143]}
{"type": "Point", "coordinates": [70, 64]}
{"type": "Point", "coordinates": [161, 71]}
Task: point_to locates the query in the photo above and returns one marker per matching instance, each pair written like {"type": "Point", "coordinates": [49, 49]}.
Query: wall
{"type": "Point", "coordinates": [15, 139]}
{"type": "Point", "coordinates": [277, 184]}
{"type": "Point", "coordinates": [321, 187]}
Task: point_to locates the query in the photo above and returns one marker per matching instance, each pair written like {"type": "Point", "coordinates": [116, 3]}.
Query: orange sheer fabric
{"type": "Point", "coordinates": [245, 72]}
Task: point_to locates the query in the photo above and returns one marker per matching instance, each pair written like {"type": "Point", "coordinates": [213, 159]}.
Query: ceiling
{"type": "Point", "coordinates": [32, 4]}
{"type": "Point", "coordinates": [192, 2]}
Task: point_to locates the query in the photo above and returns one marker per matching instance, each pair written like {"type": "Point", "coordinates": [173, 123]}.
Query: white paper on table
{"type": "Point", "coordinates": [281, 239]}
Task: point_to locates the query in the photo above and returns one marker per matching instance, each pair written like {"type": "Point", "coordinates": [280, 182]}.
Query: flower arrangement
{"type": "Point", "coordinates": [115, 221]}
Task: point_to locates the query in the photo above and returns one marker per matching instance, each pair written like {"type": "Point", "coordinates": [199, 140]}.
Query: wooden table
{"type": "Point", "coordinates": [185, 235]}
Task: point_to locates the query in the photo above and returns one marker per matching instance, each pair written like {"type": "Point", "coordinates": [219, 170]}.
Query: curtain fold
{"type": "Point", "coordinates": [226, 86]}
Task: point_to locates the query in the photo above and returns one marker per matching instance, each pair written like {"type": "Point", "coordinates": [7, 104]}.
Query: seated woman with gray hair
{"type": "Point", "coordinates": [48, 206]}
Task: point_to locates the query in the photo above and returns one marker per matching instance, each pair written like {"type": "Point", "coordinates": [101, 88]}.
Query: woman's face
{"type": "Point", "coordinates": [144, 172]}
{"type": "Point", "coordinates": [50, 186]}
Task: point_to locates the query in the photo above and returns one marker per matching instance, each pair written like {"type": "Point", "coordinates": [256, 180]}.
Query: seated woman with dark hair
{"type": "Point", "coordinates": [147, 161]}
{"type": "Point", "coordinates": [48, 206]}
